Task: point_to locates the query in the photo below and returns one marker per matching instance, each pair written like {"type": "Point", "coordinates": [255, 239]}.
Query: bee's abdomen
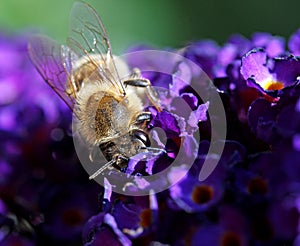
{"type": "Point", "coordinates": [106, 117]}
{"type": "Point", "coordinates": [103, 114]}
{"type": "Point", "coordinates": [112, 117]}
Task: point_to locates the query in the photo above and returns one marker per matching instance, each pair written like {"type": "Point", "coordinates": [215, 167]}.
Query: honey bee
{"type": "Point", "coordinates": [109, 111]}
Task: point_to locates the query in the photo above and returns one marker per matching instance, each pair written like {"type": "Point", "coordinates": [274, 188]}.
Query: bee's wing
{"type": "Point", "coordinates": [54, 62]}
{"type": "Point", "coordinates": [88, 37]}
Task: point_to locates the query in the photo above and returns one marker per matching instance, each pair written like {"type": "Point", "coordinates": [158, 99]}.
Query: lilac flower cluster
{"type": "Point", "coordinates": [251, 198]}
{"type": "Point", "coordinates": [45, 198]}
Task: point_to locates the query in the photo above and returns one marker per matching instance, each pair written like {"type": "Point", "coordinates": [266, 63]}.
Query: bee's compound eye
{"type": "Point", "coordinates": [142, 136]}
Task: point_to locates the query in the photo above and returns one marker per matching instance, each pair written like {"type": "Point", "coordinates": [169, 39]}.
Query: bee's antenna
{"type": "Point", "coordinates": [101, 169]}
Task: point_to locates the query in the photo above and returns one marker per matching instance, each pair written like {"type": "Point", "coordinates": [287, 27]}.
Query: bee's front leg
{"type": "Point", "coordinates": [142, 118]}
{"type": "Point", "coordinates": [137, 81]}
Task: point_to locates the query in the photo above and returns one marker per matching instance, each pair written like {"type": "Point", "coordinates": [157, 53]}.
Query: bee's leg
{"type": "Point", "coordinates": [143, 117]}
{"type": "Point", "coordinates": [145, 83]}
{"type": "Point", "coordinates": [101, 169]}
{"type": "Point", "coordinates": [155, 150]}
{"type": "Point", "coordinates": [138, 82]}
{"type": "Point", "coordinates": [117, 160]}
{"type": "Point", "coordinates": [121, 162]}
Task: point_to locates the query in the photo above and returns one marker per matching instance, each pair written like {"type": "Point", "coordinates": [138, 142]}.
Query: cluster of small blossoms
{"type": "Point", "coordinates": [45, 198]}
{"type": "Point", "coordinates": [252, 197]}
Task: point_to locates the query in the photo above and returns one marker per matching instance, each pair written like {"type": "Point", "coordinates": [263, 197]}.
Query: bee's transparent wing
{"type": "Point", "coordinates": [54, 62]}
{"type": "Point", "coordinates": [88, 37]}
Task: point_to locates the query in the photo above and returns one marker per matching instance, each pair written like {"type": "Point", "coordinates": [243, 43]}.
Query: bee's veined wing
{"type": "Point", "coordinates": [54, 63]}
{"type": "Point", "coordinates": [88, 37]}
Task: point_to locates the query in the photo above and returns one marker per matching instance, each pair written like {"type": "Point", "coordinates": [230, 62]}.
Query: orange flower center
{"type": "Point", "coordinates": [273, 85]}
{"type": "Point", "coordinates": [230, 239]}
{"type": "Point", "coordinates": [258, 186]}
{"type": "Point", "coordinates": [146, 218]}
{"type": "Point", "coordinates": [202, 194]}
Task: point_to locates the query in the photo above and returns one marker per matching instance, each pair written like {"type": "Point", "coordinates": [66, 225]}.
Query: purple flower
{"type": "Point", "coordinates": [127, 219]}
{"type": "Point", "coordinates": [97, 232]}
{"type": "Point", "coordinates": [274, 46]}
{"type": "Point", "coordinates": [66, 210]}
{"type": "Point", "coordinates": [262, 116]}
{"type": "Point", "coordinates": [237, 46]}
{"type": "Point", "coordinates": [242, 44]}
{"type": "Point", "coordinates": [271, 121]}
{"type": "Point", "coordinates": [237, 203]}
{"type": "Point", "coordinates": [284, 218]}
{"type": "Point", "coordinates": [250, 198]}
{"type": "Point", "coordinates": [227, 54]}
{"type": "Point", "coordinates": [203, 53]}
{"type": "Point", "coordinates": [269, 75]}
{"type": "Point", "coordinates": [231, 229]}
{"type": "Point", "coordinates": [37, 154]}
{"type": "Point", "coordinates": [193, 195]}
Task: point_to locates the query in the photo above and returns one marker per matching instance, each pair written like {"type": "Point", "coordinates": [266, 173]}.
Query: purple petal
{"type": "Point", "coordinates": [233, 152]}
{"type": "Point", "coordinates": [260, 39]}
{"type": "Point", "coordinates": [233, 71]}
{"type": "Point", "coordinates": [11, 56]}
{"type": "Point", "coordinates": [167, 122]}
{"type": "Point", "coordinates": [94, 232]}
{"type": "Point", "coordinates": [273, 45]}
{"type": "Point", "coordinates": [127, 216]}
{"type": "Point", "coordinates": [199, 115]}
{"type": "Point", "coordinates": [254, 66]}
{"type": "Point", "coordinates": [177, 86]}
{"type": "Point", "coordinates": [294, 43]}
{"type": "Point", "coordinates": [157, 137]}
{"type": "Point", "coordinates": [227, 54]}
{"type": "Point", "coordinates": [190, 99]}
{"type": "Point", "coordinates": [296, 142]}
{"type": "Point", "coordinates": [146, 59]}
{"type": "Point", "coordinates": [242, 44]}
{"type": "Point", "coordinates": [8, 119]}
{"type": "Point", "coordinates": [284, 218]}
{"type": "Point", "coordinates": [204, 54]}
{"type": "Point", "coordinates": [192, 195]}
{"type": "Point", "coordinates": [261, 118]}
{"type": "Point", "coordinates": [287, 70]}
{"type": "Point", "coordinates": [107, 189]}
{"type": "Point", "coordinates": [183, 72]}
{"type": "Point", "coordinates": [287, 127]}
{"type": "Point", "coordinates": [153, 201]}
{"type": "Point", "coordinates": [190, 147]}
{"type": "Point", "coordinates": [9, 90]}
